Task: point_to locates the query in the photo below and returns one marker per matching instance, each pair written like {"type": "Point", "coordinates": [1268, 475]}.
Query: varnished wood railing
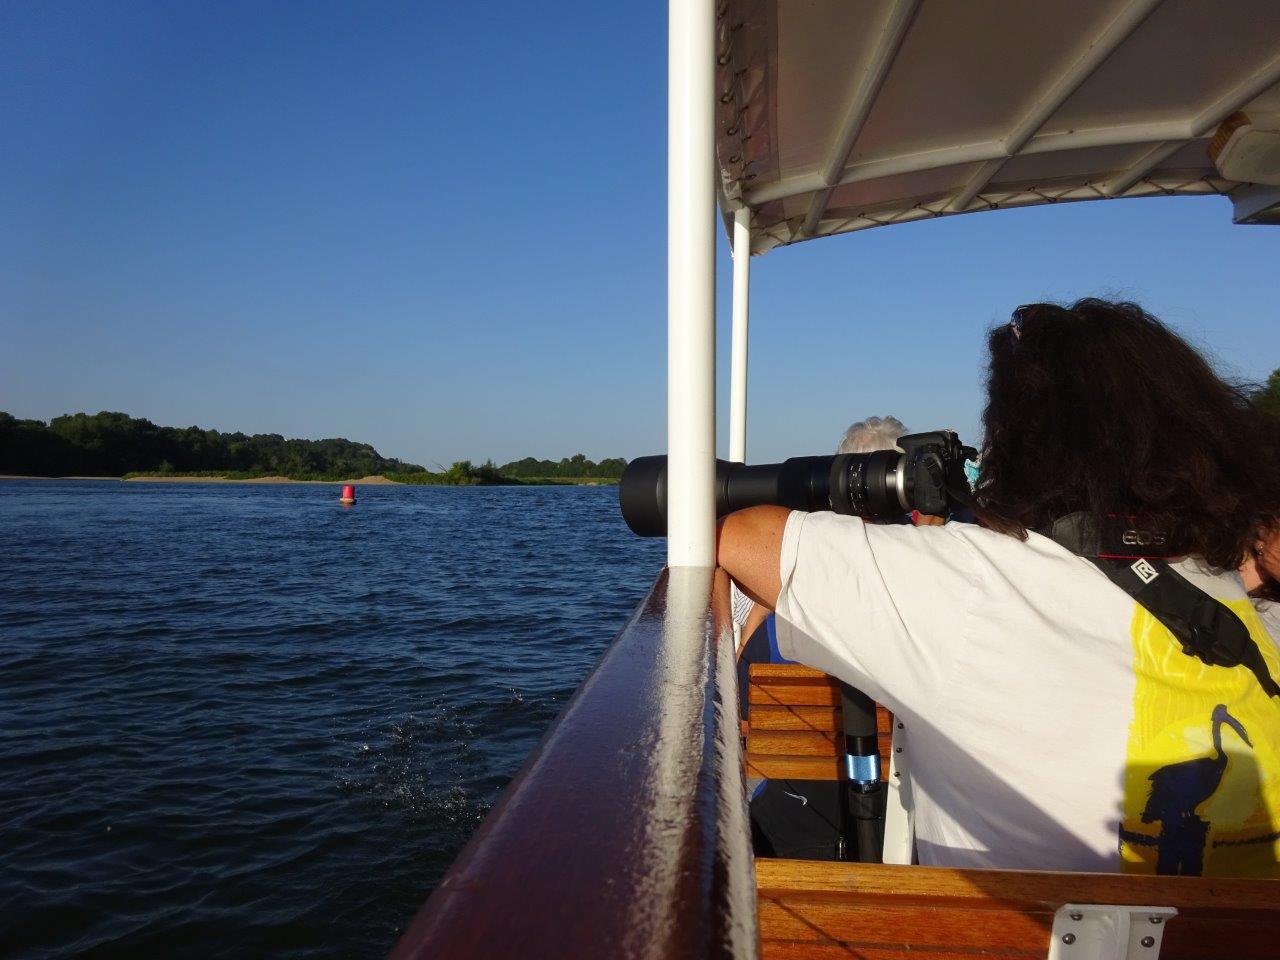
{"type": "Point", "coordinates": [625, 833]}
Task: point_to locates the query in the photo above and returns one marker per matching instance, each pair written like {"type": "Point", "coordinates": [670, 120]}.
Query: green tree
{"type": "Point", "coordinates": [1268, 398]}
{"type": "Point", "coordinates": [112, 444]}
{"type": "Point", "coordinates": [575, 467]}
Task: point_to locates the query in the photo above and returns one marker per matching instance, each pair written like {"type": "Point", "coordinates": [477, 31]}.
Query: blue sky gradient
{"type": "Point", "coordinates": [441, 229]}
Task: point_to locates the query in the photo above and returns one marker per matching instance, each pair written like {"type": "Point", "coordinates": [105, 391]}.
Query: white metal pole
{"type": "Point", "coordinates": [691, 292]}
{"type": "Point", "coordinates": [741, 316]}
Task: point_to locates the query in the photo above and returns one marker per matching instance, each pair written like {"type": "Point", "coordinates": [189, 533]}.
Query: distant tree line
{"type": "Point", "coordinates": [113, 444]}
{"type": "Point", "coordinates": [462, 473]}
{"type": "Point", "coordinates": [576, 467]}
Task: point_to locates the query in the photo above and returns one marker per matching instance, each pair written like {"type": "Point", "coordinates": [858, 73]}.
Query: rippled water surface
{"type": "Point", "coordinates": [239, 721]}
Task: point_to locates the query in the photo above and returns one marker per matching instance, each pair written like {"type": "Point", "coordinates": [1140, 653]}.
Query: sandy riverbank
{"type": "Point", "coordinates": [376, 480]}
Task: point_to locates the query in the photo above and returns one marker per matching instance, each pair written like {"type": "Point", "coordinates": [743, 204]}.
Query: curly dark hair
{"type": "Point", "coordinates": [1100, 408]}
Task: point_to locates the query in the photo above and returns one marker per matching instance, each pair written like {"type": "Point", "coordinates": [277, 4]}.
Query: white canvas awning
{"type": "Point", "coordinates": [838, 115]}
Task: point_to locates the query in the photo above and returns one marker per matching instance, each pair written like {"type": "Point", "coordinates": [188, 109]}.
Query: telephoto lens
{"type": "Point", "coordinates": [928, 475]}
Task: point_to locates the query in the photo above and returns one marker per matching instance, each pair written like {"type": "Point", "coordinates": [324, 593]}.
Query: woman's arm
{"type": "Point", "coordinates": [748, 546]}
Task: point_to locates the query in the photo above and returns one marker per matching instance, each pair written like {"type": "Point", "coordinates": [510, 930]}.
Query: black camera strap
{"type": "Point", "coordinates": [1206, 628]}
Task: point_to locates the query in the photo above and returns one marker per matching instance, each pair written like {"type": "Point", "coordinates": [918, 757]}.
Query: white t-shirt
{"type": "Point", "coordinates": [1050, 721]}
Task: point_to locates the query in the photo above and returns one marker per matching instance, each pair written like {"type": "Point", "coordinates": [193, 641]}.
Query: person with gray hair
{"type": "Point", "coordinates": [796, 817]}
{"type": "Point", "coordinates": [872, 434]}
{"type": "Point", "coordinates": [881, 433]}
{"type": "Point", "coordinates": [865, 436]}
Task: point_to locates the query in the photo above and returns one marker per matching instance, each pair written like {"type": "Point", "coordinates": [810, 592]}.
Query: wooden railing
{"type": "Point", "coordinates": [625, 833]}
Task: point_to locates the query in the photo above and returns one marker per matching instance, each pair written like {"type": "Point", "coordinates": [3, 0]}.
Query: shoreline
{"type": "Point", "coordinates": [370, 481]}
{"type": "Point", "coordinates": [375, 480]}
{"type": "Point", "coordinates": [19, 476]}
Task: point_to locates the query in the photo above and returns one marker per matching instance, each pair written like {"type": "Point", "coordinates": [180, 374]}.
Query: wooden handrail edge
{"type": "Point", "coordinates": [625, 832]}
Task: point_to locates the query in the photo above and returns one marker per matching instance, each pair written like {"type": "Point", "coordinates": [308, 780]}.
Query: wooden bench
{"type": "Point", "coordinates": [814, 910]}
{"type": "Point", "coordinates": [794, 726]}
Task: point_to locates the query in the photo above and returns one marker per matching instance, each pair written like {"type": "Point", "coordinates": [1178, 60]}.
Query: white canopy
{"type": "Point", "coordinates": [838, 115]}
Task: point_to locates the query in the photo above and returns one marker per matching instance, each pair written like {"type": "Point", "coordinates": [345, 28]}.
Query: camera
{"type": "Point", "coordinates": [928, 475]}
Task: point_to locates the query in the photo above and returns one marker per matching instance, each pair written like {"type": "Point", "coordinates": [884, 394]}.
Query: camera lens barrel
{"type": "Point", "coordinates": [882, 485]}
{"type": "Point", "coordinates": [642, 495]}
{"type": "Point", "coordinates": [871, 485]}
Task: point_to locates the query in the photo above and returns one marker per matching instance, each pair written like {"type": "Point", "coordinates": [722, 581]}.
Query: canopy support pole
{"type": "Point", "coordinates": [741, 317]}
{"type": "Point", "coordinates": [691, 291]}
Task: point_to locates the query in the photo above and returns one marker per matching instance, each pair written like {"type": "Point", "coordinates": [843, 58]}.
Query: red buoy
{"type": "Point", "coordinates": [348, 493]}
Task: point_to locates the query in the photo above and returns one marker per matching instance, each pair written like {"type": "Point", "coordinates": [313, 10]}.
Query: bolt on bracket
{"type": "Point", "coordinates": [1093, 931]}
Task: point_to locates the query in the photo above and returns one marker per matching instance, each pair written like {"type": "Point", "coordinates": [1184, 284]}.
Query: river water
{"type": "Point", "coordinates": [243, 721]}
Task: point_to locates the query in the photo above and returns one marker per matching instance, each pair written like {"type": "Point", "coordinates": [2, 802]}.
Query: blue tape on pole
{"type": "Point", "coordinates": [862, 769]}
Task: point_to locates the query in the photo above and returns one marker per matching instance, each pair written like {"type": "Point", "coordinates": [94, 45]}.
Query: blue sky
{"type": "Point", "coordinates": [440, 228]}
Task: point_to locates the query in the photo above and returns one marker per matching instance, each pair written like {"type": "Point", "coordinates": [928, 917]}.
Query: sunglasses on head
{"type": "Point", "coordinates": [1020, 315]}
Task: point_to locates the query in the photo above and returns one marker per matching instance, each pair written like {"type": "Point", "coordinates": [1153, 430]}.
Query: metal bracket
{"type": "Point", "coordinates": [899, 813]}
{"type": "Point", "coordinates": [1093, 931]}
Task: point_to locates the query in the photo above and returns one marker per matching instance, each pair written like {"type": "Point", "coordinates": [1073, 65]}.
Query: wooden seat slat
{"type": "Point", "coordinates": [1193, 936]}
{"type": "Point", "coordinates": [808, 950]}
{"type": "Point", "coordinates": [813, 910]}
{"type": "Point", "coordinates": [795, 694]}
{"type": "Point", "coordinates": [800, 768]}
{"type": "Point", "coordinates": [793, 768]}
{"type": "Point", "coordinates": [1050, 888]}
{"type": "Point", "coordinates": [795, 930]}
{"type": "Point", "coordinates": [884, 727]}
{"type": "Point", "coordinates": [797, 743]}
{"type": "Point", "coordinates": [787, 699]}
{"type": "Point", "coordinates": [769, 672]}
{"type": "Point", "coordinates": [911, 926]}
{"type": "Point", "coordinates": [765, 716]}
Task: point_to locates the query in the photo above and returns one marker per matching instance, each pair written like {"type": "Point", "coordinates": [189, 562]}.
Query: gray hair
{"type": "Point", "coordinates": [871, 434]}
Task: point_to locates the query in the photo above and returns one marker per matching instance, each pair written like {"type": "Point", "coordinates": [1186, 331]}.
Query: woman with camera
{"type": "Point", "coordinates": [1084, 681]}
